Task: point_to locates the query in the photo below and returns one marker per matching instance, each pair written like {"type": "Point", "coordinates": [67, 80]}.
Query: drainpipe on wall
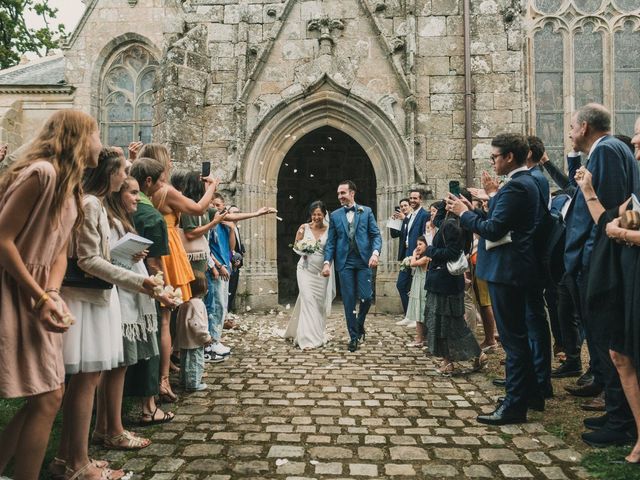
{"type": "Point", "coordinates": [469, 167]}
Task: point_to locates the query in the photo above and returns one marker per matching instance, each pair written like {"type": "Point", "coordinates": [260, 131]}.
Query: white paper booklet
{"type": "Point", "coordinates": [128, 246]}
{"type": "Point", "coordinates": [635, 203]}
{"type": "Point", "coordinates": [394, 223]}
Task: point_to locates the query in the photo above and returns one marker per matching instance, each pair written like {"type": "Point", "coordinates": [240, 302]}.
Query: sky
{"type": "Point", "coordinates": [69, 12]}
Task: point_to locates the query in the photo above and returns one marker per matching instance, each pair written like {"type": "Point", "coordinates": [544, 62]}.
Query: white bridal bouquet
{"type": "Point", "coordinates": [405, 264]}
{"type": "Point", "coordinates": [306, 247]}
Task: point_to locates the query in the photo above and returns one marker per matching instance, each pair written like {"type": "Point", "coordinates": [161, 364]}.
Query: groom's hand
{"type": "Point", "coordinates": [373, 261]}
{"type": "Point", "coordinates": [326, 270]}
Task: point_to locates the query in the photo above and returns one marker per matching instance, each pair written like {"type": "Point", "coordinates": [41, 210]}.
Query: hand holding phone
{"type": "Point", "coordinates": [454, 187]}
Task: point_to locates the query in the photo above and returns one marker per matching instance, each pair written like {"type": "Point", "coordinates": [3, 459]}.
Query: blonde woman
{"type": "Point", "coordinates": [39, 204]}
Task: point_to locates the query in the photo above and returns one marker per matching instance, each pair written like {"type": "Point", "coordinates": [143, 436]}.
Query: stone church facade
{"type": "Point", "coordinates": [286, 98]}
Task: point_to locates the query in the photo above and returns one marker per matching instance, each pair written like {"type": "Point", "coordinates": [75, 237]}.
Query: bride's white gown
{"type": "Point", "coordinates": [307, 327]}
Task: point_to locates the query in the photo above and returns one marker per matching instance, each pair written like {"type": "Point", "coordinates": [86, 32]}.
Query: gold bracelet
{"type": "Point", "coordinates": [52, 290]}
{"type": "Point", "coordinates": [41, 301]}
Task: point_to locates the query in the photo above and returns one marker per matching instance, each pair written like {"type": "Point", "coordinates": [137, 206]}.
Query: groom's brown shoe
{"type": "Point", "coordinates": [353, 345]}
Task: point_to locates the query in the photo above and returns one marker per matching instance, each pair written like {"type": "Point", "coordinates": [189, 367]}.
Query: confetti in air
{"type": "Point", "coordinates": [311, 176]}
{"type": "Point", "coordinates": [295, 170]}
{"type": "Point", "coordinates": [288, 306]}
{"type": "Point", "coordinates": [330, 139]}
{"type": "Point", "coordinates": [290, 197]}
{"type": "Point", "coordinates": [248, 308]}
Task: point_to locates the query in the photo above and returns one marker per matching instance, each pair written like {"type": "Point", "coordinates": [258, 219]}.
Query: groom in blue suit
{"type": "Point", "coordinates": [354, 243]}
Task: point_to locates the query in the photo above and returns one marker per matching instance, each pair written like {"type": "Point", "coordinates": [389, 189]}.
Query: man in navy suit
{"type": "Point", "coordinates": [510, 268]}
{"type": "Point", "coordinates": [413, 226]}
{"type": "Point", "coordinates": [615, 177]}
{"type": "Point", "coordinates": [354, 243]}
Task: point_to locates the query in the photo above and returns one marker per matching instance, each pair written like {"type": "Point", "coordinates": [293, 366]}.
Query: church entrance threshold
{"type": "Point", "coordinates": [311, 171]}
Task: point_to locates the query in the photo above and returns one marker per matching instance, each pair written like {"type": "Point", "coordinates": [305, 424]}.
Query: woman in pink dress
{"type": "Point", "coordinates": [39, 205]}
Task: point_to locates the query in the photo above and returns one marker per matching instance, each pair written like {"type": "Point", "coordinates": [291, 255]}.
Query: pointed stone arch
{"type": "Point", "coordinates": [326, 104]}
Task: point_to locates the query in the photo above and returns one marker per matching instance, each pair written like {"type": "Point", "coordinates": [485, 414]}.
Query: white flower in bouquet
{"type": "Point", "coordinates": [405, 264]}
{"type": "Point", "coordinates": [306, 247]}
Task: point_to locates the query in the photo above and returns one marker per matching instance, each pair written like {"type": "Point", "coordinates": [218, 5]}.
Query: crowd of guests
{"type": "Point", "coordinates": [489, 244]}
{"type": "Point", "coordinates": [80, 324]}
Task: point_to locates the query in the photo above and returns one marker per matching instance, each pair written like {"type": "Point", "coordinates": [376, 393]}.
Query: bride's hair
{"type": "Point", "coordinates": [318, 204]}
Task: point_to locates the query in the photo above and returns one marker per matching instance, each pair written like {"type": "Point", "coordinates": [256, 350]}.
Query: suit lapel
{"type": "Point", "coordinates": [345, 222]}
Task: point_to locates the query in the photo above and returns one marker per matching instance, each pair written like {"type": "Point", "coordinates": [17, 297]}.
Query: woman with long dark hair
{"type": "Point", "coordinates": [307, 327]}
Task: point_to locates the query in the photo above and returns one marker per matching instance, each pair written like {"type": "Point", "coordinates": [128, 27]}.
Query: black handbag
{"type": "Point", "coordinates": [78, 278]}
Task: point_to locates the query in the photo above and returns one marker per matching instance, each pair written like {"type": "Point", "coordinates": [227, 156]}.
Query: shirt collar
{"type": "Point", "coordinates": [142, 198]}
{"type": "Point", "coordinates": [524, 168]}
{"type": "Point", "coordinates": [595, 144]}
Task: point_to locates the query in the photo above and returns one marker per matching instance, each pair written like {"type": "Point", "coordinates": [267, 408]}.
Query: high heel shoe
{"type": "Point", "coordinates": [165, 394]}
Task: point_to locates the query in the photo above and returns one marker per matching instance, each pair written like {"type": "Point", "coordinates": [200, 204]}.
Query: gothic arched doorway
{"type": "Point", "coordinates": [311, 171]}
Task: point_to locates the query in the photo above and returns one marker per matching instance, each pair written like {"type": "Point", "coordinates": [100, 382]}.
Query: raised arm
{"type": "Point", "coordinates": [179, 203]}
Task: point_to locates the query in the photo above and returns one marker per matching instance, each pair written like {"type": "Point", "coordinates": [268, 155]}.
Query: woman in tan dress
{"type": "Point", "coordinates": [39, 205]}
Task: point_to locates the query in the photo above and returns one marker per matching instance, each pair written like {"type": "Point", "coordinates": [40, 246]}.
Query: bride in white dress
{"type": "Point", "coordinates": [307, 327]}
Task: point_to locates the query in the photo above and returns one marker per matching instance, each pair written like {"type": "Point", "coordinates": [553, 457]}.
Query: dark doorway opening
{"type": "Point", "coordinates": [311, 171]}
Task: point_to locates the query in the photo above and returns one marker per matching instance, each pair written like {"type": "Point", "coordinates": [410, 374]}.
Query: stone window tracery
{"type": "Point", "coordinates": [126, 101]}
{"type": "Point", "coordinates": [582, 51]}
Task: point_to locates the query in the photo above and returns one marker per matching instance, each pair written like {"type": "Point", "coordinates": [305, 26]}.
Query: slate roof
{"type": "Point", "coordinates": [48, 71]}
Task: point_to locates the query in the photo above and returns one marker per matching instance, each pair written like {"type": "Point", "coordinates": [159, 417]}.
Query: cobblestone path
{"type": "Point", "coordinates": [275, 412]}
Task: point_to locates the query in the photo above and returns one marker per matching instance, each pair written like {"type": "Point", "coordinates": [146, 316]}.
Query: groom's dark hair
{"type": "Point", "coordinates": [350, 184]}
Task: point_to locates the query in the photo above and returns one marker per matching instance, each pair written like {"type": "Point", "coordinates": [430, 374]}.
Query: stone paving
{"type": "Point", "coordinates": [273, 411]}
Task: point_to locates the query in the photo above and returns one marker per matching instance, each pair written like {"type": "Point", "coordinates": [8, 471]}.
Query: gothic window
{"type": "Point", "coordinates": [127, 97]}
{"type": "Point", "coordinates": [627, 78]}
{"type": "Point", "coordinates": [583, 51]}
{"type": "Point", "coordinates": [587, 48]}
{"type": "Point", "coordinates": [549, 46]}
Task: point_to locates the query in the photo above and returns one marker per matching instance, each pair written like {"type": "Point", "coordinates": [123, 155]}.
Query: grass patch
{"type": "Point", "coordinates": [558, 430]}
{"type": "Point", "coordinates": [608, 463]}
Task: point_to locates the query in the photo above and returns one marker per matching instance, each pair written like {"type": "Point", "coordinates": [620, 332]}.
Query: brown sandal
{"type": "Point", "coordinates": [152, 420]}
{"type": "Point", "coordinates": [131, 441]}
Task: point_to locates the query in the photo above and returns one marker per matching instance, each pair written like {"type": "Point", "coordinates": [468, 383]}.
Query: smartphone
{"type": "Point", "coordinates": [206, 169]}
{"type": "Point", "coordinates": [397, 209]}
{"type": "Point", "coordinates": [454, 187]}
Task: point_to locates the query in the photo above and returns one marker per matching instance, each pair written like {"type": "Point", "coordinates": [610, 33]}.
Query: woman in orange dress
{"type": "Point", "coordinates": [177, 269]}
{"type": "Point", "coordinates": [39, 204]}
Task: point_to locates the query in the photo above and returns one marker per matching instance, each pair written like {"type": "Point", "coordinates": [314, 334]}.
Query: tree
{"type": "Point", "coordinates": [16, 38]}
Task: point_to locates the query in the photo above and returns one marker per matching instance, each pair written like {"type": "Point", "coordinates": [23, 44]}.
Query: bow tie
{"type": "Point", "coordinates": [350, 209]}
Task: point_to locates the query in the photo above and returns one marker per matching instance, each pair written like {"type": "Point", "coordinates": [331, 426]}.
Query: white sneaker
{"type": "Point", "coordinates": [403, 322]}
{"type": "Point", "coordinates": [412, 324]}
{"type": "Point", "coordinates": [219, 349]}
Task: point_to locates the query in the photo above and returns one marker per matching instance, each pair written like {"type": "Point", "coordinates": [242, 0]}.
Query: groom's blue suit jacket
{"type": "Point", "coordinates": [367, 235]}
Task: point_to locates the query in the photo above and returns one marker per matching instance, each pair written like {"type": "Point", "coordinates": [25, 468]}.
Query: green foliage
{"type": "Point", "coordinates": [609, 464]}
{"type": "Point", "coordinates": [17, 39]}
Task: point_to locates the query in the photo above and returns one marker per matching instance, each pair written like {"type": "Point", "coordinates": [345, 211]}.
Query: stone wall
{"type": "Point", "coordinates": [243, 62]}
{"type": "Point", "coordinates": [108, 25]}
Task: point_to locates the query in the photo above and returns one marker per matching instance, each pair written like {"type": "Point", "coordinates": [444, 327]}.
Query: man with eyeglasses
{"type": "Point", "coordinates": [506, 260]}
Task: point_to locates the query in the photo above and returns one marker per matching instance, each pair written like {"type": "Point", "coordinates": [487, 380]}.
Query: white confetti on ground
{"type": "Point", "coordinates": [288, 306]}
{"type": "Point", "coordinates": [281, 461]}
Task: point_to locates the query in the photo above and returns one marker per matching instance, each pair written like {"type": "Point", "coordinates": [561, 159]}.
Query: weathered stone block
{"type": "Point", "coordinates": [432, 26]}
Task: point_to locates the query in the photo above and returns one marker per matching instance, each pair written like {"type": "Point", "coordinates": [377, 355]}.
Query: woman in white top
{"type": "Point", "coordinates": [94, 343]}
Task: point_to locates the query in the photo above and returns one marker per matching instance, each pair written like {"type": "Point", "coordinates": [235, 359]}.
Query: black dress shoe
{"type": "Point", "coordinates": [567, 369]}
{"type": "Point", "coordinates": [604, 437]}
{"type": "Point", "coordinates": [502, 416]}
{"type": "Point", "coordinates": [596, 423]}
{"type": "Point", "coordinates": [589, 390]}
{"type": "Point", "coordinates": [353, 345]}
{"type": "Point", "coordinates": [536, 404]}
{"type": "Point", "coordinates": [585, 378]}
{"type": "Point", "coordinates": [499, 382]}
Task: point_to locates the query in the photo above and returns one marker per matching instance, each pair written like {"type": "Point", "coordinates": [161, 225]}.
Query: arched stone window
{"type": "Point", "coordinates": [583, 51]}
{"type": "Point", "coordinates": [126, 100]}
